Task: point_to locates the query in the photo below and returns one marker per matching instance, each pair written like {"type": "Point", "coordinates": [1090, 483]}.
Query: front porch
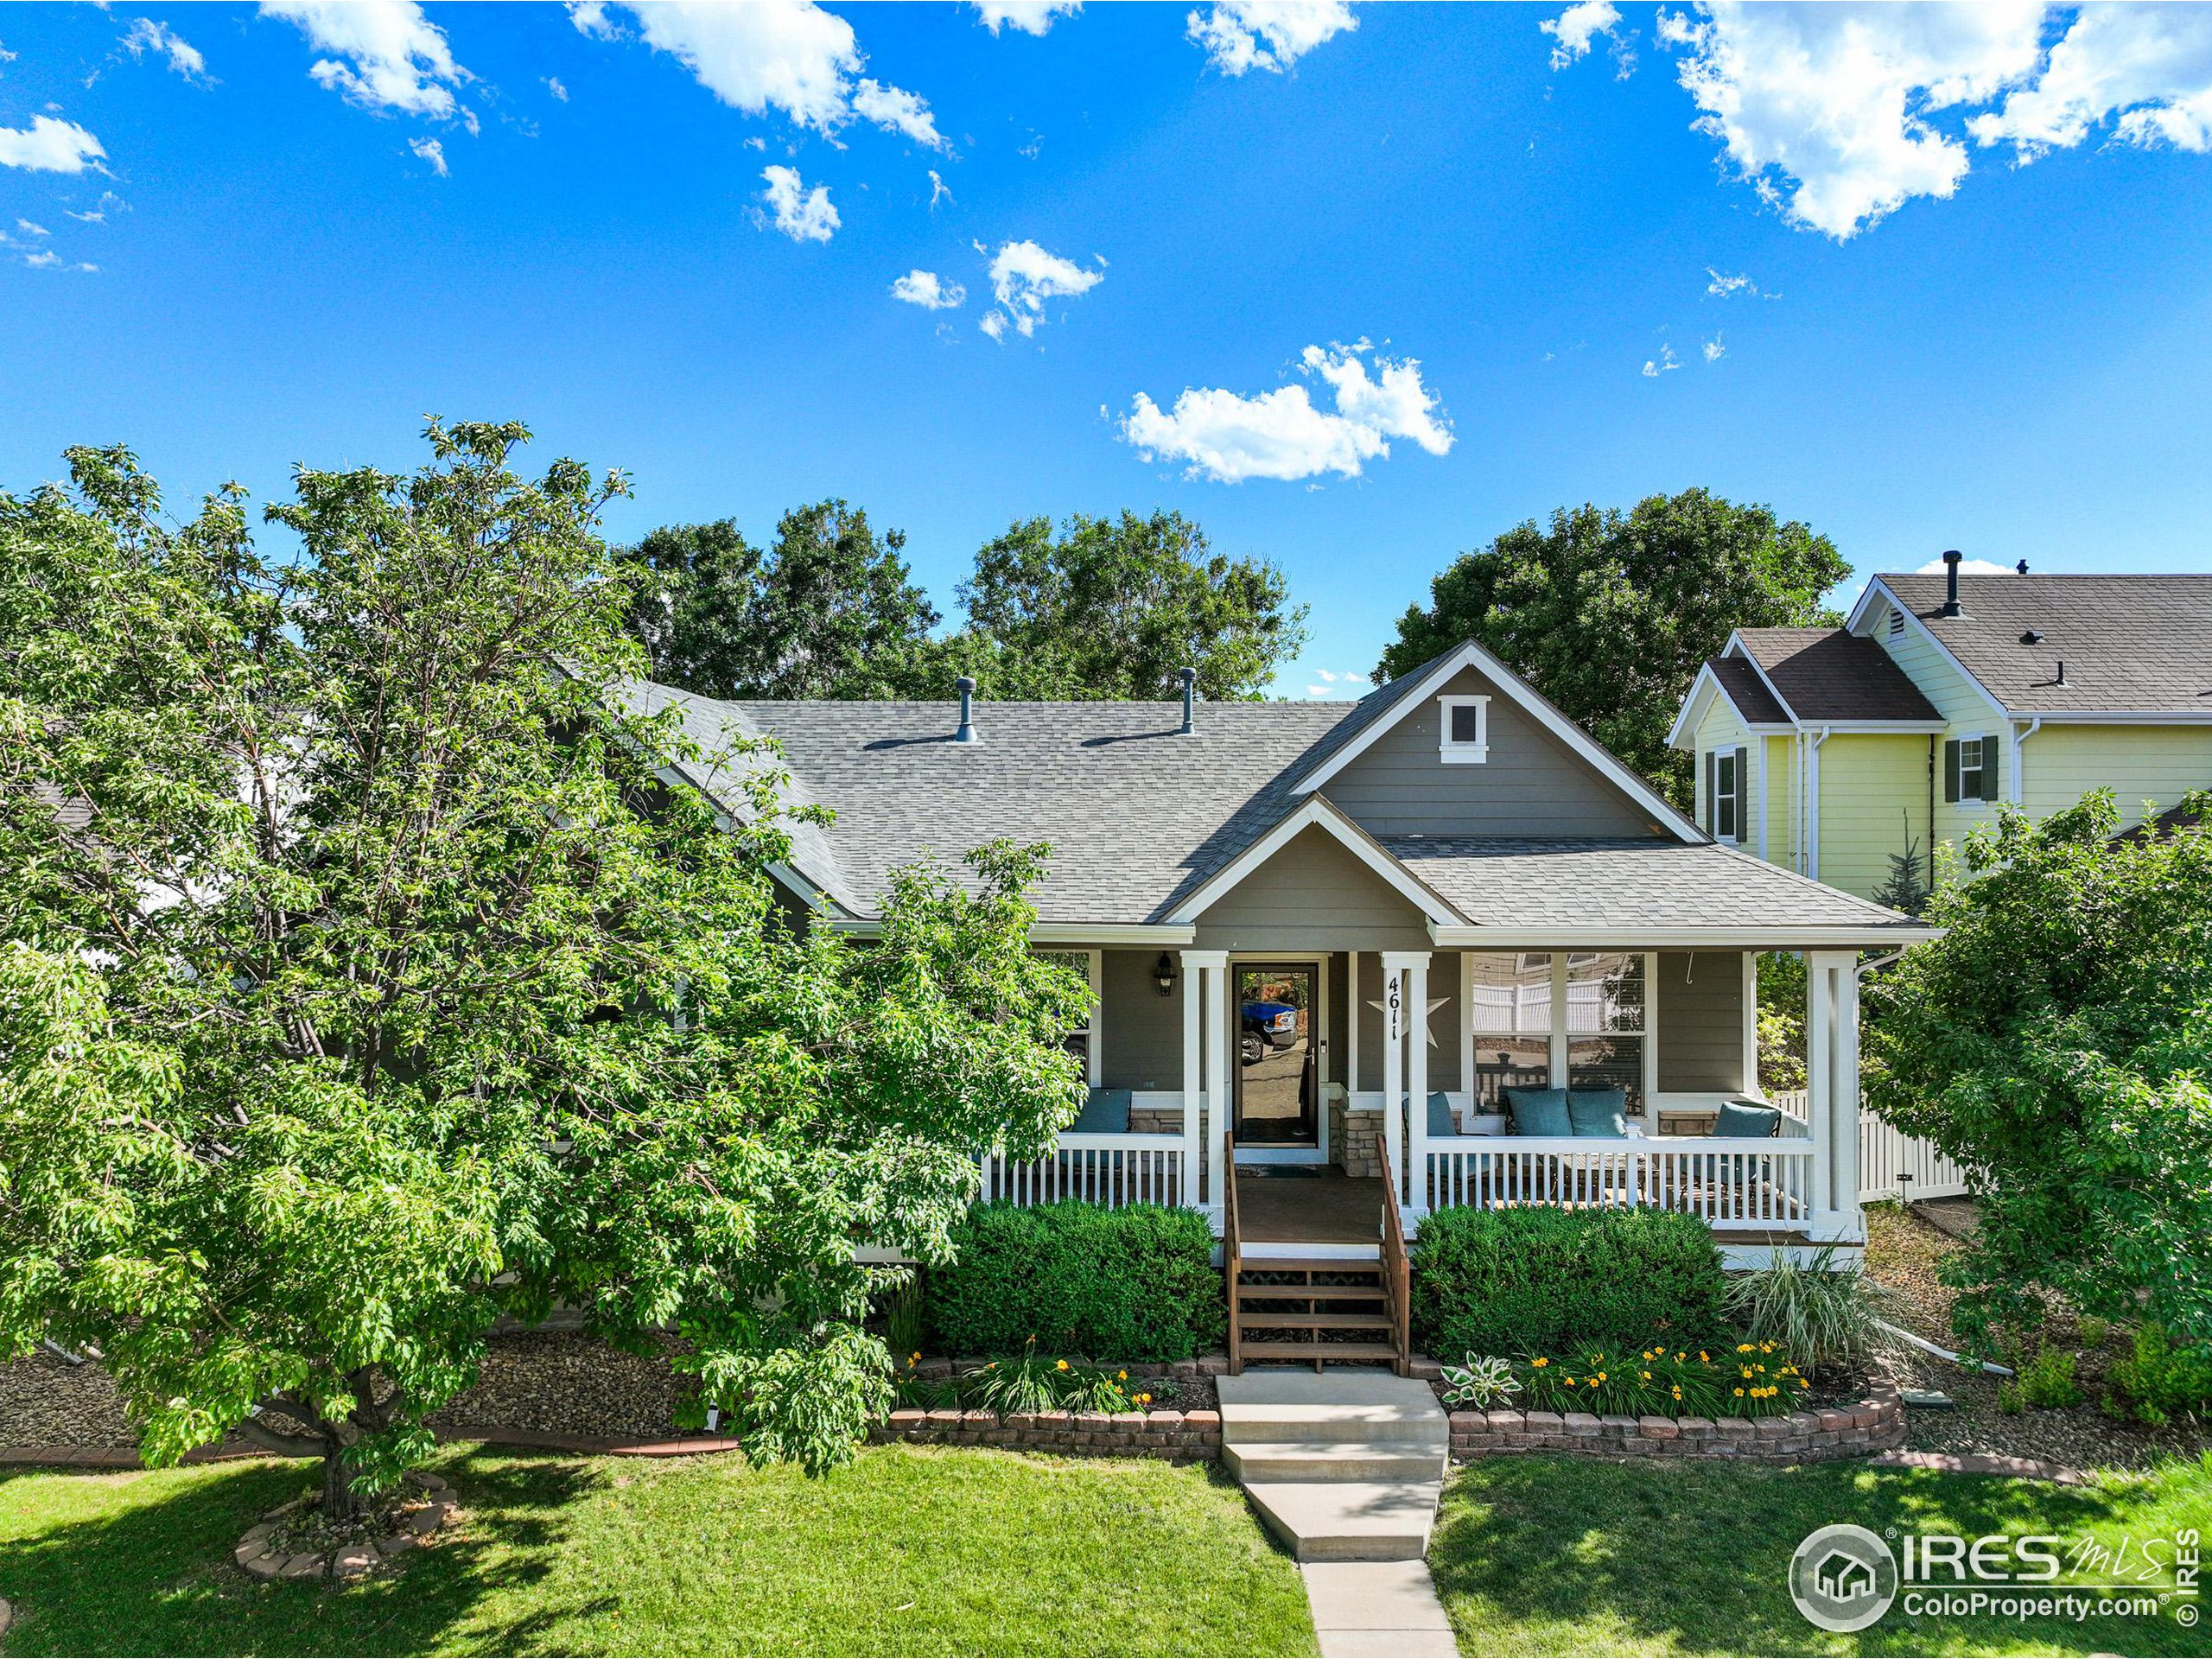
{"type": "Point", "coordinates": [1444, 1035]}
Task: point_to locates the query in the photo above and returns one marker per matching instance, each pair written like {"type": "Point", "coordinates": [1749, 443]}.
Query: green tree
{"type": "Point", "coordinates": [1113, 608]}
{"type": "Point", "coordinates": [1610, 614]}
{"type": "Point", "coordinates": [830, 611]}
{"type": "Point", "coordinates": [2058, 1040]}
{"type": "Point", "coordinates": [358, 982]}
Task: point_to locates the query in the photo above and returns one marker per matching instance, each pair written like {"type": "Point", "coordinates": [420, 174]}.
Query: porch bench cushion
{"type": "Point", "coordinates": [1443, 1122]}
{"type": "Point", "coordinates": [1743, 1120]}
{"type": "Point", "coordinates": [1538, 1111]}
{"type": "Point", "coordinates": [1598, 1112]}
{"type": "Point", "coordinates": [1106, 1112]}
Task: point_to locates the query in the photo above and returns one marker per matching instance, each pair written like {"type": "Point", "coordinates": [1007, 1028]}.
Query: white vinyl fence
{"type": "Point", "coordinates": [1891, 1164]}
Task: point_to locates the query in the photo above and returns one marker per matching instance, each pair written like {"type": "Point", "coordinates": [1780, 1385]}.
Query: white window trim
{"type": "Point", "coordinates": [1464, 754]}
{"type": "Point", "coordinates": [1980, 795]}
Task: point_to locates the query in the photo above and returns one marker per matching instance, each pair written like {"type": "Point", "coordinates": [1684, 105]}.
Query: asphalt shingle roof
{"type": "Point", "coordinates": [2132, 643]}
{"type": "Point", "coordinates": [1740, 682]}
{"type": "Point", "coordinates": [1834, 674]}
{"type": "Point", "coordinates": [1138, 814]}
{"type": "Point", "coordinates": [1630, 884]}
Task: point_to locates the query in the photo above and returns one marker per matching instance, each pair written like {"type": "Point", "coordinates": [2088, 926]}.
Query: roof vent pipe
{"type": "Point", "coordinates": [1951, 583]}
{"type": "Point", "coordinates": [2022, 567]}
{"type": "Point", "coordinates": [2061, 680]}
{"type": "Point", "coordinates": [967, 732]}
{"type": "Point", "coordinates": [1190, 678]}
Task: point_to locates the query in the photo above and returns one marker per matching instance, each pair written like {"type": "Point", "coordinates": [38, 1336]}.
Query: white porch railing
{"type": "Point", "coordinates": [1104, 1169]}
{"type": "Point", "coordinates": [1736, 1185]}
{"type": "Point", "coordinates": [1889, 1161]}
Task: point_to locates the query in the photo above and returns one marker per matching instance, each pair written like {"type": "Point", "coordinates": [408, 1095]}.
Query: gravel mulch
{"type": "Point", "coordinates": [1904, 1253]}
{"type": "Point", "coordinates": [45, 1400]}
{"type": "Point", "coordinates": [557, 1382]}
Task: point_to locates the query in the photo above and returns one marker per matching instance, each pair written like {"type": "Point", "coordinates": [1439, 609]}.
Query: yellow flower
{"type": "Point", "coordinates": [1740, 1394]}
{"type": "Point", "coordinates": [1539, 1364]}
{"type": "Point", "coordinates": [1647, 1377]}
{"type": "Point", "coordinates": [1678, 1390]}
{"type": "Point", "coordinates": [1598, 1378]}
{"type": "Point", "coordinates": [1122, 1377]}
{"type": "Point", "coordinates": [1060, 1364]}
{"type": "Point", "coordinates": [913, 1357]}
{"type": "Point", "coordinates": [1679, 1358]}
{"type": "Point", "coordinates": [1702, 1358]}
{"type": "Point", "coordinates": [1743, 1347]}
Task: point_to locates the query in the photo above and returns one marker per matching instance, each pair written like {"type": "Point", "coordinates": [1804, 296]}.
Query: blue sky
{"type": "Point", "coordinates": [1927, 277]}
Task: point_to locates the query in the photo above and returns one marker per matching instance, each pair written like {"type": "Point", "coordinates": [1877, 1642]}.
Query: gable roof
{"type": "Point", "coordinates": [2132, 644]}
{"type": "Point", "coordinates": [1412, 690]}
{"type": "Point", "coordinates": [1831, 676]}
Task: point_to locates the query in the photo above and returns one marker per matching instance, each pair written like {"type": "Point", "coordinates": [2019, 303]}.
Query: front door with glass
{"type": "Point", "coordinates": [1277, 1077]}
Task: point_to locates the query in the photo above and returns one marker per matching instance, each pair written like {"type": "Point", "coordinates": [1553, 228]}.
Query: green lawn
{"type": "Point", "coordinates": [1567, 1556]}
{"type": "Point", "coordinates": [910, 1551]}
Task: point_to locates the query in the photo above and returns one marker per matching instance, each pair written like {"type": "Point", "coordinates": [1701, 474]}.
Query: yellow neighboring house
{"type": "Point", "coordinates": [1831, 751]}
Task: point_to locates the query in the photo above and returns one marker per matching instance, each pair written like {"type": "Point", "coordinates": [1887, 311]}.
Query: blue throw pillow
{"type": "Point", "coordinates": [1107, 1112]}
{"type": "Point", "coordinates": [1441, 1121]}
{"type": "Point", "coordinates": [1538, 1111]}
{"type": "Point", "coordinates": [1598, 1111]}
{"type": "Point", "coordinates": [1739, 1120]}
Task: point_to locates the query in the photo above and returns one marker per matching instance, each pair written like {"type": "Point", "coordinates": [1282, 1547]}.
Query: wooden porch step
{"type": "Point", "coordinates": [1365, 1352]}
{"type": "Point", "coordinates": [1252, 1318]}
{"type": "Point", "coordinates": [1309, 1264]}
{"type": "Point", "coordinates": [1311, 1292]}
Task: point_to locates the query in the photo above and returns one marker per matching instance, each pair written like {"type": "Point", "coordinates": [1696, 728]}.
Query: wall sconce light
{"type": "Point", "coordinates": [1163, 974]}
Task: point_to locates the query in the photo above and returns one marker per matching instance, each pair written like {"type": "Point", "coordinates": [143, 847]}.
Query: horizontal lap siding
{"type": "Point", "coordinates": [1698, 1019]}
{"type": "Point", "coordinates": [1531, 785]}
{"type": "Point", "coordinates": [1143, 1030]}
{"type": "Point", "coordinates": [1781, 802]}
{"type": "Point", "coordinates": [2159, 764]}
{"type": "Point", "coordinates": [1873, 796]}
{"type": "Point", "coordinates": [1312, 895]}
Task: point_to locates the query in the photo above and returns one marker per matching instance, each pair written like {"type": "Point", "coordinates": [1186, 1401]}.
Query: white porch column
{"type": "Point", "coordinates": [1220, 1088]}
{"type": "Point", "coordinates": [1416, 1188]}
{"type": "Point", "coordinates": [1201, 1037]}
{"type": "Point", "coordinates": [1396, 1019]}
{"type": "Point", "coordinates": [1832, 1089]}
{"type": "Point", "coordinates": [1352, 1006]}
{"type": "Point", "coordinates": [1193, 1077]}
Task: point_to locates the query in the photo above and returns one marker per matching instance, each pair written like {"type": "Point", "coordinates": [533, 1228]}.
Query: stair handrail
{"type": "Point", "coordinates": [1229, 1253]}
{"type": "Point", "coordinates": [1397, 1281]}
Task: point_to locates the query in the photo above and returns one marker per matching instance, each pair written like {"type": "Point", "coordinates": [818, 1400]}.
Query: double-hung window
{"type": "Point", "coordinates": [1084, 1040]}
{"type": "Point", "coordinates": [1724, 775]}
{"type": "Point", "coordinates": [1509, 1012]}
{"type": "Point", "coordinates": [1605, 1030]}
{"type": "Point", "coordinates": [1970, 768]}
{"type": "Point", "coordinates": [1541, 1019]}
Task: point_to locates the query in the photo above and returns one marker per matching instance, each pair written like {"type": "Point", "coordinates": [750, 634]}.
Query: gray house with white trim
{"type": "Point", "coordinates": [1359, 941]}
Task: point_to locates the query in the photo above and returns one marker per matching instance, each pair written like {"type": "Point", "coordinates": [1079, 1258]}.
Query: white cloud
{"type": "Point", "coordinates": [98, 212]}
{"type": "Point", "coordinates": [802, 214]}
{"type": "Point", "coordinates": [2150, 65]}
{"type": "Point", "coordinates": [29, 229]}
{"type": "Point", "coordinates": [1576, 27]}
{"type": "Point", "coordinates": [923, 289]}
{"type": "Point", "coordinates": [1244, 35]}
{"type": "Point", "coordinates": [1317, 691]}
{"type": "Point", "coordinates": [1966, 568]}
{"type": "Point", "coordinates": [48, 145]}
{"type": "Point", "coordinates": [430, 151]}
{"type": "Point", "coordinates": [44, 259]}
{"type": "Point", "coordinates": [1023, 277]}
{"type": "Point", "coordinates": [897, 111]}
{"type": "Point", "coordinates": [1030, 16]}
{"type": "Point", "coordinates": [784, 54]}
{"type": "Point", "coordinates": [1720, 287]}
{"type": "Point", "coordinates": [1714, 351]}
{"type": "Point", "coordinates": [1281, 434]}
{"type": "Point", "coordinates": [939, 191]}
{"type": "Point", "coordinates": [146, 35]}
{"type": "Point", "coordinates": [1656, 366]}
{"type": "Point", "coordinates": [1840, 114]}
{"type": "Point", "coordinates": [384, 54]}
{"type": "Point", "coordinates": [553, 86]}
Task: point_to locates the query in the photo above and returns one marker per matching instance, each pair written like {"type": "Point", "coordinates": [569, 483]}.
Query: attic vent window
{"type": "Point", "coordinates": [1466, 730]}
{"type": "Point", "coordinates": [1896, 623]}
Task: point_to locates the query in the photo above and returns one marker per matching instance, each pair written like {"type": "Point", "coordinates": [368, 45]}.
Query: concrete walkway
{"type": "Point", "coordinates": [1346, 1468]}
{"type": "Point", "coordinates": [1374, 1610]}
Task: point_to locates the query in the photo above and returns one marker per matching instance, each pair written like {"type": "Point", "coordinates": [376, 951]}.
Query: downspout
{"type": "Point", "coordinates": [1932, 741]}
{"type": "Point", "coordinates": [2020, 740]}
{"type": "Point", "coordinates": [1813, 812]}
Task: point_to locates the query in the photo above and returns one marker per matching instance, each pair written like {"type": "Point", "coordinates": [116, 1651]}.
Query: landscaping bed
{"type": "Point", "coordinates": [1904, 1253]}
{"type": "Point", "coordinates": [906, 1551]}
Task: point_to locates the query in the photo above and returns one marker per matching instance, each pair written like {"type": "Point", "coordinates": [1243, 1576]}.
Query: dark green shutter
{"type": "Point", "coordinates": [1711, 791]}
{"type": "Point", "coordinates": [1950, 769]}
{"type": "Point", "coordinates": [1743, 794]}
{"type": "Point", "coordinates": [1993, 786]}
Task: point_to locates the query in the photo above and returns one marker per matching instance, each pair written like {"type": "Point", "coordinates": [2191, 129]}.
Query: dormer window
{"type": "Point", "coordinates": [1466, 730]}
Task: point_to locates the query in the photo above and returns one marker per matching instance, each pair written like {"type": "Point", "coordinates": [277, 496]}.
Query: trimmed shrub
{"type": "Point", "coordinates": [1543, 1280]}
{"type": "Point", "coordinates": [1137, 1283]}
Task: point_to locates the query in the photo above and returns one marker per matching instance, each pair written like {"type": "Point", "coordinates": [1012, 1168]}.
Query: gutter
{"type": "Point", "coordinates": [2020, 740]}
